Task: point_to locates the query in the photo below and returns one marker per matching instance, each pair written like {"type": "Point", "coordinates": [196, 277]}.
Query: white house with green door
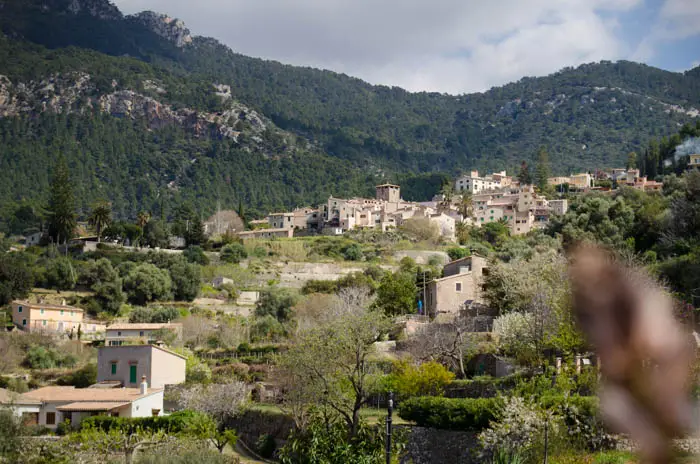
{"type": "Point", "coordinates": [127, 364]}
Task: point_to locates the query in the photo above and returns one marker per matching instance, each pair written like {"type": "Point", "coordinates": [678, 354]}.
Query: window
{"type": "Point", "coordinates": [114, 368]}
{"type": "Point", "coordinates": [19, 309]}
{"type": "Point", "coordinates": [44, 322]}
{"type": "Point", "coordinates": [61, 312]}
{"type": "Point", "coordinates": [132, 373]}
{"type": "Point", "coordinates": [50, 418]}
{"type": "Point", "coordinates": [72, 313]}
{"type": "Point", "coordinates": [42, 311]}
{"type": "Point", "coordinates": [119, 334]}
{"type": "Point", "coordinates": [458, 286]}
{"type": "Point", "coordinates": [24, 322]}
{"type": "Point", "coordinates": [141, 333]}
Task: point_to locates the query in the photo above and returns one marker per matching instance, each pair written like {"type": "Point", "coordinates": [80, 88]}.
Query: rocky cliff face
{"type": "Point", "coordinates": [102, 9]}
{"type": "Point", "coordinates": [75, 93]}
{"type": "Point", "coordinates": [165, 26]}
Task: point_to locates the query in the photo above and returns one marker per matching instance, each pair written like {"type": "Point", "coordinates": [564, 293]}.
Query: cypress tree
{"type": "Point", "coordinates": [543, 169]}
{"type": "Point", "coordinates": [62, 217]}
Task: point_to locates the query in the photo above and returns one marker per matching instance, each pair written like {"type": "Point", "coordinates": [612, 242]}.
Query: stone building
{"type": "Point", "coordinates": [460, 286]}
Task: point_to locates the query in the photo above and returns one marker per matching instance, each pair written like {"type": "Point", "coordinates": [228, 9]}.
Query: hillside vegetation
{"type": "Point", "coordinates": [320, 132]}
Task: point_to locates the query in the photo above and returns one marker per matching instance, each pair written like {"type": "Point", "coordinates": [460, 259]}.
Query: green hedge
{"type": "Point", "coordinates": [476, 413]}
{"type": "Point", "coordinates": [174, 423]}
{"type": "Point", "coordinates": [450, 413]}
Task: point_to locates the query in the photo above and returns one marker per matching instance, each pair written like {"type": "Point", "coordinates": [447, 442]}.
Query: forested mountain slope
{"type": "Point", "coordinates": [319, 131]}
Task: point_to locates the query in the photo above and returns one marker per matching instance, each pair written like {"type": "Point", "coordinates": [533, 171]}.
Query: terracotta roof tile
{"type": "Point", "coordinates": [92, 406]}
{"type": "Point", "coordinates": [60, 394]}
{"type": "Point", "coordinates": [144, 326]}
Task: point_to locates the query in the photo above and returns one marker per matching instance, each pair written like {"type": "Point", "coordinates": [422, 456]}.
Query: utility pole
{"type": "Point", "coordinates": [390, 410]}
{"type": "Point", "coordinates": [425, 308]}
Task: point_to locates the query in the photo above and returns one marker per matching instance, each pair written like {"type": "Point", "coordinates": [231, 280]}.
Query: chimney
{"type": "Point", "coordinates": [63, 302]}
{"type": "Point", "coordinates": [144, 385]}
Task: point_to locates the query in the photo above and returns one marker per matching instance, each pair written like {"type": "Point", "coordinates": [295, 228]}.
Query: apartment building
{"type": "Point", "coordinates": [50, 318]}
{"type": "Point", "coordinates": [473, 183]}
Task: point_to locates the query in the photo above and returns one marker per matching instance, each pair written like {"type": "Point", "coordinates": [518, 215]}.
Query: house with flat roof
{"type": "Point", "coordinates": [121, 334]}
{"type": "Point", "coordinates": [51, 318]}
{"type": "Point", "coordinates": [126, 364]}
{"type": "Point", "coordinates": [49, 406]}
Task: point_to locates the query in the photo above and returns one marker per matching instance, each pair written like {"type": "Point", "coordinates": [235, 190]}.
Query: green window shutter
{"type": "Point", "coordinates": [114, 368]}
{"type": "Point", "coordinates": [132, 373]}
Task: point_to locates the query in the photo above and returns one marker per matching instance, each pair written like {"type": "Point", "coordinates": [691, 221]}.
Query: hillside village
{"type": "Point", "coordinates": [442, 275]}
{"type": "Point", "coordinates": [207, 257]}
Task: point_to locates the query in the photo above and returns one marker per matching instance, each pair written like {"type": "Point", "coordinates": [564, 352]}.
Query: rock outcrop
{"type": "Point", "coordinates": [76, 93]}
{"type": "Point", "coordinates": [169, 28]}
{"type": "Point", "coordinates": [102, 9]}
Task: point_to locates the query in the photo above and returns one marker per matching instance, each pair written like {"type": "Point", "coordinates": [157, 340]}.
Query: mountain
{"type": "Point", "coordinates": [205, 123]}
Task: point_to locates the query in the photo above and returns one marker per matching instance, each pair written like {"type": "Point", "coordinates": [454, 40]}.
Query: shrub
{"type": "Point", "coordinates": [266, 445]}
{"type": "Point", "coordinates": [146, 282]}
{"type": "Point", "coordinates": [186, 280]}
{"type": "Point", "coordinates": [353, 252]}
{"type": "Point", "coordinates": [233, 253]}
{"type": "Point", "coordinates": [457, 253]}
{"type": "Point", "coordinates": [452, 414]}
{"type": "Point", "coordinates": [319, 286]}
{"type": "Point", "coordinates": [39, 357]}
{"type": "Point", "coordinates": [428, 379]}
{"type": "Point", "coordinates": [277, 303]}
{"type": "Point", "coordinates": [82, 378]}
{"type": "Point", "coordinates": [176, 422]}
{"type": "Point", "coordinates": [195, 254]}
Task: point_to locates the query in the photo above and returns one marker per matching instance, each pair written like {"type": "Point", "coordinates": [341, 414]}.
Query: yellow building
{"type": "Point", "coordinates": [36, 317]}
{"type": "Point", "coordinates": [694, 160]}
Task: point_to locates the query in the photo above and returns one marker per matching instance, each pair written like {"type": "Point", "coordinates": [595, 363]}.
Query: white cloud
{"type": "Point", "coordinates": [442, 45]}
{"type": "Point", "coordinates": [678, 19]}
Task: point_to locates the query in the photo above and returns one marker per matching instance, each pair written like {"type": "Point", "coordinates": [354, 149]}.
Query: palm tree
{"type": "Point", "coordinates": [100, 217]}
{"type": "Point", "coordinates": [447, 196]}
{"type": "Point", "coordinates": [142, 219]}
{"type": "Point", "coordinates": [466, 206]}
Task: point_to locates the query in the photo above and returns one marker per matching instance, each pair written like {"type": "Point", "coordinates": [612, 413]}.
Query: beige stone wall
{"type": "Point", "coordinates": [166, 369]}
{"type": "Point", "coordinates": [49, 319]}
{"type": "Point", "coordinates": [124, 356]}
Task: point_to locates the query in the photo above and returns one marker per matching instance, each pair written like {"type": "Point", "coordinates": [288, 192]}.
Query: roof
{"type": "Point", "coordinates": [145, 326]}
{"type": "Point", "coordinates": [10, 397]}
{"type": "Point", "coordinates": [92, 406]}
{"type": "Point", "coordinates": [119, 347]}
{"type": "Point", "coordinates": [388, 185]}
{"type": "Point", "coordinates": [107, 384]}
{"type": "Point", "coordinates": [72, 394]}
{"type": "Point", "coordinates": [46, 305]}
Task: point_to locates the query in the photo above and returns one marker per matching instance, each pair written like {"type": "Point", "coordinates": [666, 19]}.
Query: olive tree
{"type": "Point", "coordinates": [328, 365]}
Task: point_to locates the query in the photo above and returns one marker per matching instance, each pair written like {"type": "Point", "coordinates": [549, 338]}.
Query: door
{"type": "Point", "coordinates": [132, 373]}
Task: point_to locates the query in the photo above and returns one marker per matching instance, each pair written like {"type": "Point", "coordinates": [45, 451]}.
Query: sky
{"type": "Point", "coordinates": [451, 46]}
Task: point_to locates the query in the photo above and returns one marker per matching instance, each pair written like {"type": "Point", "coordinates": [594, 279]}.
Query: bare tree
{"type": "Point", "coordinates": [328, 366]}
{"type": "Point", "coordinates": [448, 343]}
{"type": "Point", "coordinates": [196, 330]}
{"type": "Point", "coordinates": [220, 401]}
